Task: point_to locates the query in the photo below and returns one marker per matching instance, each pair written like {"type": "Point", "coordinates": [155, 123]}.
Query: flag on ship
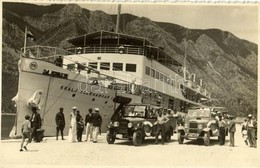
{"type": "Point", "coordinates": [30, 35]}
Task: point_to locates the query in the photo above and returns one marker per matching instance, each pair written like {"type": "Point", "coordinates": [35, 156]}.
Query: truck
{"type": "Point", "coordinates": [135, 122]}
{"type": "Point", "coordinates": [200, 124]}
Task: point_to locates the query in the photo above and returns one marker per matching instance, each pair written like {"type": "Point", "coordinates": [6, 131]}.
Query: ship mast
{"type": "Point", "coordinates": [25, 38]}
{"type": "Point", "coordinates": [118, 17]}
{"type": "Point", "coordinates": [185, 56]}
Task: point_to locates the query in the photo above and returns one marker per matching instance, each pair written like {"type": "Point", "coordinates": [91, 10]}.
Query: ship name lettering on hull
{"type": "Point", "coordinates": [68, 89]}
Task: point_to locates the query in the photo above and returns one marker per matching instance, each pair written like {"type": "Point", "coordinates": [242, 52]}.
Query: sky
{"type": "Point", "coordinates": [241, 20]}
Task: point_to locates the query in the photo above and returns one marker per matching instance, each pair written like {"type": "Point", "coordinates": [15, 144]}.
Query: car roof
{"type": "Point", "coordinates": [142, 104]}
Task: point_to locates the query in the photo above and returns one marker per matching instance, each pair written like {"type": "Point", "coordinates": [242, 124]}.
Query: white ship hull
{"type": "Point", "coordinates": [59, 92]}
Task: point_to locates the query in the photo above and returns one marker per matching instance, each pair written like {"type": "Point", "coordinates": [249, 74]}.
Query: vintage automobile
{"type": "Point", "coordinates": [201, 124]}
{"type": "Point", "coordinates": [135, 122]}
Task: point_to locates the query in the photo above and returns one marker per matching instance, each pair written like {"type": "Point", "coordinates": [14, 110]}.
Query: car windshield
{"type": "Point", "coordinates": [134, 111]}
{"type": "Point", "coordinates": [198, 113]}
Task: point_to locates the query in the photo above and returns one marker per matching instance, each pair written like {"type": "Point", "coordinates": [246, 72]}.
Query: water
{"type": "Point", "coordinates": [6, 125]}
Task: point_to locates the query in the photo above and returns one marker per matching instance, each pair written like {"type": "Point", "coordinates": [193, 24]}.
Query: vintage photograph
{"type": "Point", "coordinates": [129, 84]}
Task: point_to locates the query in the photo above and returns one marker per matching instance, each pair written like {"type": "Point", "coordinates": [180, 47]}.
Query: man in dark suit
{"type": "Point", "coordinates": [232, 130]}
{"type": "Point", "coordinates": [60, 123]}
{"type": "Point", "coordinates": [35, 122]}
{"type": "Point", "coordinates": [222, 124]}
{"type": "Point", "coordinates": [59, 61]}
{"type": "Point", "coordinates": [89, 125]}
{"type": "Point", "coordinates": [251, 130]}
{"type": "Point", "coordinates": [80, 126]}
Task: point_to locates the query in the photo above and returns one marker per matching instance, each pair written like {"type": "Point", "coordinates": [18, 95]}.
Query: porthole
{"type": "Point", "coordinates": [73, 95]}
{"type": "Point", "coordinates": [93, 99]}
{"type": "Point", "coordinates": [105, 102]}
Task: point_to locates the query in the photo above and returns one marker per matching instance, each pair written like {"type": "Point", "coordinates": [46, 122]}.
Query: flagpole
{"type": "Point", "coordinates": [25, 37]}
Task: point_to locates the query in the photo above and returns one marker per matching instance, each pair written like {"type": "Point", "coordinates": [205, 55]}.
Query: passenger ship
{"type": "Point", "coordinates": [101, 66]}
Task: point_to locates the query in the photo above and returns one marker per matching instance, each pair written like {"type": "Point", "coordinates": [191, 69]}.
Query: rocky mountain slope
{"type": "Point", "coordinates": [227, 64]}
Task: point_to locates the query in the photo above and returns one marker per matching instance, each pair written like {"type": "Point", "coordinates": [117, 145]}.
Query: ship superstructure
{"type": "Point", "coordinates": [98, 68]}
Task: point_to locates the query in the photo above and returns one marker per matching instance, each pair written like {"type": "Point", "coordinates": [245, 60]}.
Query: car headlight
{"type": "Point", "coordinates": [116, 124]}
{"type": "Point", "coordinates": [129, 125]}
{"type": "Point", "coordinates": [186, 125]}
{"type": "Point", "coordinates": [200, 126]}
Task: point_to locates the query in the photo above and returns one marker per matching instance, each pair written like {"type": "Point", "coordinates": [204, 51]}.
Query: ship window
{"type": "Point", "coordinates": [93, 65]}
{"type": "Point", "coordinates": [105, 65]}
{"type": "Point", "coordinates": [161, 77]}
{"type": "Point", "coordinates": [117, 66]}
{"type": "Point", "coordinates": [130, 67]}
{"type": "Point", "coordinates": [147, 70]}
{"type": "Point", "coordinates": [153, 73]}
{"type": "Point", "coordinates": [157, 75]}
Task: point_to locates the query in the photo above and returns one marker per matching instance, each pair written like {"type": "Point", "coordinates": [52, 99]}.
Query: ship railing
{"type": "Point", "coordinates": [43, 52]}
{"type": "Point", "coordinates": [107, 49]}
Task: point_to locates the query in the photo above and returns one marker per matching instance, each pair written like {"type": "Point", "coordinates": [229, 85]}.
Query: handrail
{"type": "Point", "coordinates": [107, 49]}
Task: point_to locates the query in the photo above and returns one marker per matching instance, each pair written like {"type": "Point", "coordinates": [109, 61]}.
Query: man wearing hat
{"type": "Point", "coordinates": [89, 124]}
{"type": "Point", "coordinates": [60, 123]}
{"type": "Point", "coordinates": [251, 131]}
{"type": "Point", "coordinates": [232, 130]}
{"type": "Point", "coordinates": [36, 122]}
{"type": "Point", "coordinates": [73, 126]}
{"type": "Point", "coordinates": [97, 121]}
{"type": "Point", "coordinates": [222, 124]}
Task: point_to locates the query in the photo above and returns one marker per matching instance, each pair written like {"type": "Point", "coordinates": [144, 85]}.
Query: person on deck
{"type": "Point", "coordinates": [59, 61]}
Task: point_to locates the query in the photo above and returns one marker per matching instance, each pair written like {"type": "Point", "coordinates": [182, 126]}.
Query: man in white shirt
{"type": "Point", "coordinates": [161, 120]}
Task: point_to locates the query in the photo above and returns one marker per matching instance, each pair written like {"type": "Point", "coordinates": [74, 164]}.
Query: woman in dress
{"type": "Point", "coordinates": [73, 125]}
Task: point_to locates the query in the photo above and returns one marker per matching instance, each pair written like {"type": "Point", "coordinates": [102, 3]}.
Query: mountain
{"type": "Point", "coordinates": [227, 64]}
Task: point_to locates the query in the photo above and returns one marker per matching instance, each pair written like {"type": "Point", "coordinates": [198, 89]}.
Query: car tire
{"type": "Point", "coordinates": [110, 138]}
{"type": "Point", "coordinates": [206, 139]}
{"type": "Point", "coordinates": [180, 138]}
{"type": "Point", "coordinates": [137, 138]}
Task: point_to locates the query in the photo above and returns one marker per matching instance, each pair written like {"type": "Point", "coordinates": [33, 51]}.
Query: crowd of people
{"type": "Point", "coordinates": [93, 122]}
{"type": "Point", "coordinates": [227, 124]}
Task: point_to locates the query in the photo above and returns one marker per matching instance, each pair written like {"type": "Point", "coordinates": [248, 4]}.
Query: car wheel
{"type": "Point", "coordinates": [110, 138]}
{"type": "Point", "coordinates": [137, 138]}
{"type": "Point", "coordinates": [180, 138]}
{"type": "Point", "coordinates": [206, 139]}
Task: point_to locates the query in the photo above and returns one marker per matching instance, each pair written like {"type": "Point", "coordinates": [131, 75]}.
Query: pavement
{"type": "Point", "coordinates": [60, 153]}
